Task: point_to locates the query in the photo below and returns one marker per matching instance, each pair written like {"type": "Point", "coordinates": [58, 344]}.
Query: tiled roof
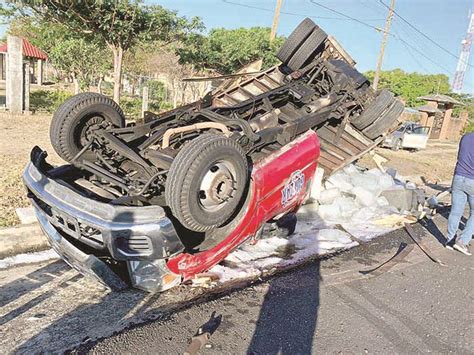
{"type": "Point", "coordinates": [440, 98]}
{"type": "Point", "coordinates": [28, 50]}
{"type": "Point", "coordinates": [429, 109]}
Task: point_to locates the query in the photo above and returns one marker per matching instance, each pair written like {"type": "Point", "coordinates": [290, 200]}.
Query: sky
{"type": "Point", "coordinates": [444, 21]}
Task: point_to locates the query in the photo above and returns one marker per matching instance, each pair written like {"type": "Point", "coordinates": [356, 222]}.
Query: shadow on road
{"type": "Point", "coordinates": [30, 282]}
{"type": "Point", "coordinates": [433, 229]}
{"type": "Point", "coordinates": [289, 313]}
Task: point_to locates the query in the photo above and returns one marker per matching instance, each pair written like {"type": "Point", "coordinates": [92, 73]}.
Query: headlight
{"type": "Point", "coordinates": [152, 276]}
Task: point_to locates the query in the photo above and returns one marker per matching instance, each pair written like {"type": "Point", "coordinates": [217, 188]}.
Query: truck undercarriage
{"type": "Point", "coordinates": [193, 169]}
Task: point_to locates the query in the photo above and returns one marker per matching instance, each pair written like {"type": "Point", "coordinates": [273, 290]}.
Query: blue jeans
{"type": "Point", "coordinates": [462, 192]}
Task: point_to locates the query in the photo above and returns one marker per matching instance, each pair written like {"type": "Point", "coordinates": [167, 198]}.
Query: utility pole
{"type": "Point", "coordinates": [275, 20]}
{"type": "Point", "coordinates": [384, 43]}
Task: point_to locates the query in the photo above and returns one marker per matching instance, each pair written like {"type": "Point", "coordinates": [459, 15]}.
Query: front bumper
{"type": "Point", "coordinates": [80, 228]}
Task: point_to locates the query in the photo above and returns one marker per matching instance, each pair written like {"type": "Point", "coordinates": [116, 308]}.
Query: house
{"type": "Point", "coordinates": [437, 115]}
{"type": "Point", "coordinates": [32, 55]}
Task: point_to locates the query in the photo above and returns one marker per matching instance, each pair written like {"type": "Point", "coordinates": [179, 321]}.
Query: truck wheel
{"type": "Point", "coordinates": [77, 117]}
{"type": "Point", "coordinates": [308, 49]}
{"type": "Point", "coordinates": [374, 110]}
{"type": "Point", "coordinates": [206, 182]}
{"type": "Point", "coordinates": [295, 39]}
{"type": "Point", "coordinates": [383, 123]}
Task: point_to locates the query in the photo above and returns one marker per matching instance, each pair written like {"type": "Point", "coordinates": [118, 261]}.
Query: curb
{"type": "Point", "coordinates": [22, 239]}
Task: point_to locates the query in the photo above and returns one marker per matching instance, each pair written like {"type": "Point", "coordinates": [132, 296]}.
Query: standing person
{"type": "Point", "coordinates": [462, 192]}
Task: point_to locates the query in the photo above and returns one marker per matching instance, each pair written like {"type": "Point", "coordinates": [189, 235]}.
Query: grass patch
{"type": "Point", "coordinates": [12, 195]}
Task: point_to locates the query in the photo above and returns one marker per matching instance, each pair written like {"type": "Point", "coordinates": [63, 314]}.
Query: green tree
{"type": "Point", "coordinates": [83, 57]}
{"type": "Point", "coordinates": [227, 51]}
{"type": "Point", "coordinates": [410, 86]}
{"type": "Point", "coordinates": [120, 24]}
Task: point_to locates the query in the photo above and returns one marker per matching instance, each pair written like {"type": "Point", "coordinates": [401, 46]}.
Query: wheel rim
{"type": "Point", "coordinates": [90, 125]}
{"type": "Point", "coordinates": [217, 186]}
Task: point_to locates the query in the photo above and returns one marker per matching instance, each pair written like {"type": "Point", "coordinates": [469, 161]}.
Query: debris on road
{"type": "Point", "coordinates": [205, 280]}
{"type": "Point", "coordinates": [28, 258]}
{"type": "Point", "coordinates": [203, 334]}
{"type": "Point", "coordinates": [422, 245]}
{"type": "Point", "coordinates": [402, 252]}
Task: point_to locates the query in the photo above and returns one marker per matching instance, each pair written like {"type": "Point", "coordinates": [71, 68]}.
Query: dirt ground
{"type": "Point", "coordinates": [18, 135]}
{"type": "Point", "coordinates": [435, 164]}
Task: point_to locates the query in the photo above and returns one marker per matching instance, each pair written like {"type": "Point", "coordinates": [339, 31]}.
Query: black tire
{"type": "Point", "coordinates": [70, 121]}
{"type": "Point", "coordinates": [374, 110]}
{"type": "Point", "coordinates": [388, 118]}
{"type": "Point", "coordinates": [308, 49]}
{"type": "Point", "coordinates": [295, 39]}
{"type": "Point", "coordinates": [60, 112]}
{"type": "Point", "coordinates": [184, 186]}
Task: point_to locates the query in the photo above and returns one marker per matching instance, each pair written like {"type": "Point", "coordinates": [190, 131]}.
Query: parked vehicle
{"type": "Point", "coordinates": [410, 135]}
{"type": "Point", "coordinates": [155, 203]}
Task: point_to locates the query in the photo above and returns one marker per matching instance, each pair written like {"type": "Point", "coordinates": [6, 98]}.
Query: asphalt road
{"type": "Point", "coordinates": [417, 306]}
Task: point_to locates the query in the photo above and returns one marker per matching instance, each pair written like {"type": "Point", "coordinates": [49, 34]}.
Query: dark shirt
{"type": "Point", "coordinates": [465, 164]}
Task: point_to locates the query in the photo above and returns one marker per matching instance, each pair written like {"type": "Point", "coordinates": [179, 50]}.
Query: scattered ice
{"type": "Point", "coordinates": [28, 258]}
{"type": "Point", "coordinates": [364, 197]}
{"type": "Point", "coordinates": [349, 198]}
{"type": "Point", "coordinates": [327, 196]}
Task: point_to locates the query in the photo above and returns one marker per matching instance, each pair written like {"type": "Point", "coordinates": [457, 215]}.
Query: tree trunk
{"type": "Point", "coordinates": [76, 85]}
{"type": "Point", "coordinates": [118, 56]}
{"type": "Point", "coordinates": [99, 85]}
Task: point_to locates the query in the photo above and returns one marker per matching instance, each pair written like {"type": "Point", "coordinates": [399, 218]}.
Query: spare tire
{"type": "Point", "coordinates": [295, 39]}
{"type": "Point", "coordinates": [77, 117]}
{"type": "Point", "coordinates": [374, 110]}
{"type": "Point", "coordinates": [206, 182]}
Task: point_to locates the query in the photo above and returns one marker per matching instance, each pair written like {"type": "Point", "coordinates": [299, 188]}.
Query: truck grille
{"type": "Point", "coordinates": [134, 245]}
{"type": "Point", "coordinates": [70, 225]}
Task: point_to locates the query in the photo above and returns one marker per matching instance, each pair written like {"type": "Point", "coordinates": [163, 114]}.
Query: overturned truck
{"type": "Point", "coordinates": [156, 203]}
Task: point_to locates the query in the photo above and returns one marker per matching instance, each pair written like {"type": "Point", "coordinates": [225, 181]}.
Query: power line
{"type": "Point", "coordinates": [380, 30]}
{"type": "Point", "coordinates": [406, 44]}
{"type": "Point", "coordinates": [410, 52]}
{"type": "Point", "coordinates": [379, 9]}
{"type": "Point", "coordinates": [360, 21]}
{"type": "Point", "coordinates": [292, 13]}
{"type": "Point", "coordinates": [422, 33]}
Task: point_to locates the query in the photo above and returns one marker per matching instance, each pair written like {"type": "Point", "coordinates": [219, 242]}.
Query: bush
{"type": "Point", "coordinates": [131, 106]}
{"type": "Point", "coordinates": [47, 101]}
{"type": "Point", "coordinates": [156, 90]}
{"type": "Point", "coordinates": [469, 127]}
{"type": "Point", "coordinates": [165, 106]}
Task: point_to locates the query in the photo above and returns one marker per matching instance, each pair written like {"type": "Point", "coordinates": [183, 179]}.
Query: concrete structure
{"type": "Point", "coordinates": [31, 54]}
{"type": "Point", "coordinates": [14, 76]}
{"type": "Point", "coordinates": [437, 114]}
